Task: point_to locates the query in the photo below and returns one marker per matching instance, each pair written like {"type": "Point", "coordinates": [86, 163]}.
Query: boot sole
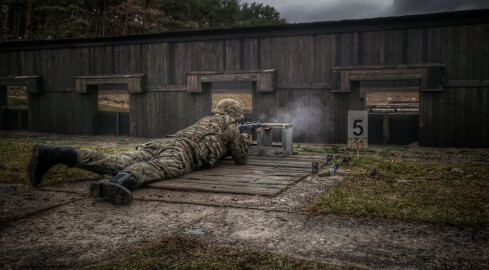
{"type": "Point", "coordinates": [114, 193]}
{"type": "Point", "coordinates": [31, 168]}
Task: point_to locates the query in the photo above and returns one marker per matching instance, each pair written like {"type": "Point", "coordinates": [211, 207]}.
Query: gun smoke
{"type": "Point", "coordinates": [306, 114]}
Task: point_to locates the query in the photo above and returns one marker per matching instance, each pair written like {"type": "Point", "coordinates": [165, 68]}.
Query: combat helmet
{"type": "Point", "coordinates": [230, 107]}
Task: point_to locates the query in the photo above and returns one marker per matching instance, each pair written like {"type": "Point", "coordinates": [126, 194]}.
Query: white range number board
{"type": "Point", "coordinates": [358, 130]}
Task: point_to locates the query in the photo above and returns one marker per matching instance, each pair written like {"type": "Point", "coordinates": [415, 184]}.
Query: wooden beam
{"type": "Point", "coordinates": [385, 76]}
{"type": "Point", "coordinates": [385, 128]}
{"type": "Point", "coordinates": [231, 72]}
{"type": "Point", "coordinates": [193, 83]}
{"type": "Point", "coordinates": [373, 67]}
{"type": "Point", "coordinates": [164, 88]}
{"type": "Point", "coordinates": [33, 83]}
{"type": "Point", "coordinates": [264, 79]}
{"type": "Point", "coordinates": [136, 83]}
{"type": "Point", "coordinates": [429, 75]}
{"type": "Point", "coordinates": [276, 125]}
{"type": "Point", "coordinates": [467, 83]}
{"type": "Point", "coordinates": [111, 76]}
{"type": "Point", "coordinates": [387, 70]}
{"type": "Point", "coordinates": [340, 91]}
{"type": "Point", "coordinates": [229, 77]}
{"type": "Point", "coordinates": [364, 90]}
{"type": "Point", "coordinates": [303, 85]}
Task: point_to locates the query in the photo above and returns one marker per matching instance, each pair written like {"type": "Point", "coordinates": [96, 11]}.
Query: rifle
{"type": "Point", "coordinates": [249, 127]}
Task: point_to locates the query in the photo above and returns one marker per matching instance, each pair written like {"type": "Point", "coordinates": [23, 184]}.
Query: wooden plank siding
{"type": "Point", "coordinates": [456, 116]}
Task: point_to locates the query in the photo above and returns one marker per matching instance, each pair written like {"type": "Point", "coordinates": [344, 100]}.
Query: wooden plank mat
{"type": "Point", "coordinates": [260, 176]}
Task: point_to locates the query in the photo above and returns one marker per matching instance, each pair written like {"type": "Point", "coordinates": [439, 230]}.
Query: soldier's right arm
{"type": "Point", "coordinates": [238, 145]}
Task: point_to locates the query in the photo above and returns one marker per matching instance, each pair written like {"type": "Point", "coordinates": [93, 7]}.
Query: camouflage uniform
{"type": "Point", "coordinates": [198, 146]}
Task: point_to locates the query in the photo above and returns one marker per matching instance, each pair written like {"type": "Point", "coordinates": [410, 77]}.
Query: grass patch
{"type": "Point", "coordinates": [321, 149]}
{"type": "Point", "coordinates": [112, 108]}
{"type": "Point", "coordinates": [63, 139]}
{"type": "Point", "coordinates": [17, 102]}
{"type": "Point", "coordinates": [311, 150]}
{"type": "Point", "coordinates": [113, 101]}
{"type": "Point", "coordinates": [386, 154]}
{"type": "Point", "coordinates": [183, 253]}
{"type": "Point", "coordinates": [328, 149]}
{"type": "Point", "coordinates": [123, 142]}
{"type": "Point", "coordinates": [17, 91]}
{"type": "Point", "coordinates": [410, 191]}
{"type": "Point", "coordinates": [20, 135]}
{"type": "Point", "coordinates": [15, 156]}
{"type": "Point", "coordinates": [17, 97]}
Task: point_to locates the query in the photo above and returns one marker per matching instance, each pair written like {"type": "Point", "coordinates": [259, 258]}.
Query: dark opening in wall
{"type": "Point", "coordinates": [391, 96]}
{"type": "Point", "coordinates": [17, 98]}
{"type": "Point", "coordinates": [13, 108]}
{"type": "Point", "coordinates": [113, 110]}
{"type": "Point", "coordinates": [393, 111]}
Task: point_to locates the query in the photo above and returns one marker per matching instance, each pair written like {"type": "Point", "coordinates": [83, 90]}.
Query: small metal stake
{"type": "Point", "coordinates": [333, 169]}
{"type": "Point", "coordinates": [315, 166]}
{"type": "Point", "coordinates": [329, 159]}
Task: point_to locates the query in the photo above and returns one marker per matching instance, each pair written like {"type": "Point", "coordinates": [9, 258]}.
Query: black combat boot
{"type": "Point", "coordinates": [45, 156]}
{"type": "Point", "coordinates": [116, 190]}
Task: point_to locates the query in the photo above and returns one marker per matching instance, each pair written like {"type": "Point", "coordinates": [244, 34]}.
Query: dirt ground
{"type": "Point", "coordinates": [60, 226]}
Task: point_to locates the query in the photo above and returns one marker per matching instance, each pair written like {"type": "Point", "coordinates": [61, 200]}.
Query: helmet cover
{"type": "Point", "coordinates": [230, 107]}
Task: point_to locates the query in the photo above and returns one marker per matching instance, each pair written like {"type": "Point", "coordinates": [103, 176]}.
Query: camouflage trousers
{"type": "Point", "coordinates": [152, 161]}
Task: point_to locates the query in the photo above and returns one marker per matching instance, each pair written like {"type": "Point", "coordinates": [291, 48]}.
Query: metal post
{"type": "Point", "coordinates": [385, 128]}
{"type": "Point", "coordinates": [3, 103]}
{"type": "Point", "coordinates": [117, 124]}
{"type": "Point", "coordinates": [287, 134]}
{"type": "Point", "coordinates": [19, 118]}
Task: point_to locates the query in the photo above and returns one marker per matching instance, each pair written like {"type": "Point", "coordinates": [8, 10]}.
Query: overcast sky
{"type": "Point", "coordinates": [330, 10]}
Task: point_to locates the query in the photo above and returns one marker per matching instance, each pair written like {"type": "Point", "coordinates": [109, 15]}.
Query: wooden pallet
{"type": "Point", "coordinates": [260, 176]}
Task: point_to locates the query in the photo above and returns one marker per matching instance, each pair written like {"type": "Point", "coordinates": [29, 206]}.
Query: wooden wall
{"type": "Point", "coordinates": [302, 94]}
{"type": "Point", "coordinates": [458, 116]}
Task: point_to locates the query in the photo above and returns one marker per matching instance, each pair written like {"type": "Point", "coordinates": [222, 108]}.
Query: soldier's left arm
{"type": "Point", "coordinates": [238, 146]}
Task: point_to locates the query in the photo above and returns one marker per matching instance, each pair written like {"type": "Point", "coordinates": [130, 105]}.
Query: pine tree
{"type": "Point", "coordinates": [53, 19]}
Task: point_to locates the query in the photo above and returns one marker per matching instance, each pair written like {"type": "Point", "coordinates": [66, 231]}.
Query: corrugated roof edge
{"type": "Point", "coordinates": [352, 25]}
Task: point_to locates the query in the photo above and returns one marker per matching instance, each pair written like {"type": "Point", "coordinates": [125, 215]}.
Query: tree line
{"type": "Point", "coordinates": [53, 19]}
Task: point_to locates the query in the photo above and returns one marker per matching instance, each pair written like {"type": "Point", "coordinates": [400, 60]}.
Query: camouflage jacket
{"type": "Point", "coordinates": [213, 138]}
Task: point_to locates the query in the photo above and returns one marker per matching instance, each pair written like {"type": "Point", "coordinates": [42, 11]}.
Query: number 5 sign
{"type": "Point", "coordinates": [358, 129]}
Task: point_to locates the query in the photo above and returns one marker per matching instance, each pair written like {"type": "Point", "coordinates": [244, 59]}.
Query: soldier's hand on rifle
{"type": "Point", "coordinates": [247, 136]}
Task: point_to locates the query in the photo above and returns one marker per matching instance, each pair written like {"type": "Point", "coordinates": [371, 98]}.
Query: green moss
{"type": "Point", "coordinates": [15, 156]}
{"type": "Point", "coordinates": [308, 149]}
{"type": "Point", "coordinates": [183, 253]}
{"type": "Point", "coordinates": [386, 154]}
{"type": "Point", "coordinates": [17, 91]}
{"type": "Point", "coordinates": [411, 191]}
{"type": "Point", "coordinates": [17, 102]}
